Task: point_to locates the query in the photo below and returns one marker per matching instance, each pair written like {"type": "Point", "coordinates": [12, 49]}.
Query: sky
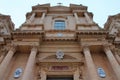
{"type": "Point", "coordinates": [101, 9]}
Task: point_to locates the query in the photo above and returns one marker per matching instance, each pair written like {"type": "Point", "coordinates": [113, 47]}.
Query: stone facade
{"type": "Point", "coordinates": [60, 43]}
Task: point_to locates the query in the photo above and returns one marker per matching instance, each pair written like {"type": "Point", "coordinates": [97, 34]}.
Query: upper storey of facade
{"type": "Point", "coordinates": [46, 17]}
{"type": "Point", "coordinates": [59, 22]}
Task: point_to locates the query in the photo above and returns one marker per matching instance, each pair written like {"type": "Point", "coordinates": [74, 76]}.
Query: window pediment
{"type": "Point", "coordinates": [57, 17]}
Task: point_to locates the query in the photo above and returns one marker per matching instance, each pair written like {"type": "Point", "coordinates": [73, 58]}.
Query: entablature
{"type": "Point", "coordinates": [27, 27]}
{"type": "Point", "coordinates": [78, 7]}
{"type": "Point", "coordinates": [27, 34]}
{"type": "Point", "coordinates": [40, 7]}
{"type": "Point", "coordinates": [92, 37]}
{"type": "Point", "coordinates": [86, 25]}
{"type": "Point", "coordinates": [60, 34]}
{"type": "Point", "coordinates": [94, 33]}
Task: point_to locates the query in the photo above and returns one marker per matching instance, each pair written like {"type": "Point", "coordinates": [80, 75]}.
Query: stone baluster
{"type": "Point", "coordinates": [6, 61]}
{"type": "Point", "coordinates": [114, 64]}
{"type": "Point", "coordinates": [30, 64]}
{"type": "Point", "coordinates": [90, 64]}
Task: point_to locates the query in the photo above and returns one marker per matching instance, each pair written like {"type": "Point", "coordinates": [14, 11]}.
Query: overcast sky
{"type": "Point", "coordinates": [100, 8]}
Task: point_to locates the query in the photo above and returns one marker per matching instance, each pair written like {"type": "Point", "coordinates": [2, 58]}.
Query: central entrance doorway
{"type": "Point", "coordinates": [59, 78]}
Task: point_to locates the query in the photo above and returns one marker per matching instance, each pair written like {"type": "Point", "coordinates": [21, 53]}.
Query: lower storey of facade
{"type": "Point", "coordinates": [47, 65]}
{"type": "Point", "coordinates": [58, 71]}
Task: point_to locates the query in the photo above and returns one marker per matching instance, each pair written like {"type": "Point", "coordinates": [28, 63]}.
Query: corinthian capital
{"type": "Point", "coordinates": [106, 47]}
{"type": "Point", "coordinates": [86, 48]}
{"type": "Point", "coordinates": [34, 48]}
{"type": "Point", "coordinates": [13, 48]}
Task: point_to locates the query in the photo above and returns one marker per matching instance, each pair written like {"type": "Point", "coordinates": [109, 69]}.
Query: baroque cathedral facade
{"type": "Point", "coordinates": [60, 43]}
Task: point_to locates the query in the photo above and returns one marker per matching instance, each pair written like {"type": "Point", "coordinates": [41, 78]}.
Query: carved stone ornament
{"type": "Point", "coordinates": [59, 54]}
{"type": "Point", "coordinates": [117, 24]}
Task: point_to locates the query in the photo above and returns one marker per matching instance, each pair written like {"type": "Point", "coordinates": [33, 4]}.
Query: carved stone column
{"type": "Point", "coordinates": [90, 64]}
{"type": "Point", "coordinates": [43, 16]}
{"type": "Point", "coordinates": [43, 75]}
{"type": "Point", "coordinates": [30, 65]}
{"type": "Point", "coordinates": [6, 61]}
{"type": "Point", "coordinates": [76, 74]}
{"type": "Point", "coordinates": [113, 62]}
{"type": "Point", "coordinates": [76, 16]}
{"type": "Point", "coordinates": [31, 18]}
{"type": "Point", "coordinates": [1, 58]}
{"type": "Point", "coordinates": [88, 18]}
{"type": "Point", "coordinates": [117, 56]}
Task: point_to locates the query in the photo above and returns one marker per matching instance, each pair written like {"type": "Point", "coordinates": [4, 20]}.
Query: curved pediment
{"type": "Point", "coordinates": [62, 17]}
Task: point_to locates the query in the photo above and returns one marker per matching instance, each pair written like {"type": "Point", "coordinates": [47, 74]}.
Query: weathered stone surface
{"type": "Point", "coordinates": [49, 29]}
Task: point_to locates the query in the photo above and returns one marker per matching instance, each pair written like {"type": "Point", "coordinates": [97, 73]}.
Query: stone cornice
{"type": "Point", "coordinates": [32, 25]}
{"type": "Point", "coordinates": [78, 7]}
{"type": "Point", "coordinates": [86, 25]}
{"type": "Point", "coordinates": [42, 7]}
{"type": "Point", "coordinates": [57, 31]}
{"type": "Point", "coordinates": [51, 35]}
{"type": "Point", "coordinates": [60, 39]}
{"type": "Point", "coordinates": [64, 17]}
{"type": "Point", "coordinates": [92, 32]}
{"type": "Point", "coordinates": [4, 16]}
{"type": "Point", "coordinates": [35, 32]}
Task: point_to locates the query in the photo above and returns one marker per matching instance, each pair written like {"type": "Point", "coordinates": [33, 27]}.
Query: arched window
{"type": "Point", "coordinates": [59, 25]}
